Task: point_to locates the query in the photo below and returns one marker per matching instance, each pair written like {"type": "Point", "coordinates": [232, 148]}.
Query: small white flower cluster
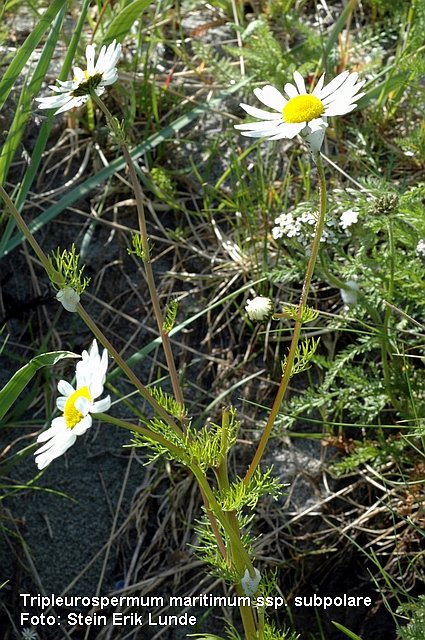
{"type": "Point", "coordinates": [420, 249]}
{"type": "Point", "coordinates": [348, 218]}
{"type": "Point", "coordinates": [300, 225]}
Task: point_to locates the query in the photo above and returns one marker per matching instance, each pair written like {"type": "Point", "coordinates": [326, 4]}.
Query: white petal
{"type": "Point", "coordinates": [346, 92]}
{"type": "Point", "coordinates": [73, 102]}
{"type": "Point", "coordinates": [271, 97]}
{"type": "Point", "coordinates": [290, 90]}
{"type": "Point", "coordinates": [53, 449]}
{"type": "Point", "coordinates": [339, 108]}
{"type": "Point", "coordinates": [109, 78]}
{"type": "Point", "coordinates": [50, 432]}
{"type": "Point", "coordinates": [65, 388]}
{"type": "Point", "coordinates": [315, 139]}
{"type": "Point", "coordinates": [261, 113]}
{"type": "Point", "coordinates": [260, 134]}
{"type": "Point", "coordinates": [68, 298]}
{"type": "Point", "coordinates": [90, 52]}
{"type": "Point", "coordinates": [102, 405]}
{"type": "Point", "coordinates": [264, 125]}
{"type": "Point", "coordinates": [288, 130]}
{"type": "Point", "coordinates": [299, 81]}
{"type": "Point", "coordinates": [333, 85]}
{"type": "Point", "coordinates": [318, 123]}
{"type": "Point", "coordinates": [83, 405]}
{"type": "Point", "coordinates": [78, 75]}
{"type": "Point", "coordinates": [82, 426]}
{"type": "Point", "coordinates": [52, 102]}
{"type": "Point", "coordinates": [319, 86]}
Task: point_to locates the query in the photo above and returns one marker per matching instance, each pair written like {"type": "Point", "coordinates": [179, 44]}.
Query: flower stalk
{"type": "Point", "coordinates": [283, 386]}
{"type": "Point", "coordinates": [115, 127]}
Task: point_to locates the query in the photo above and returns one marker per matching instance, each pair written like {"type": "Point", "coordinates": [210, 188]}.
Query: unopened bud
{"type": "Point", "coordinates": [260, 308]}
{"type": "Point", "coordinates": [68, 298]}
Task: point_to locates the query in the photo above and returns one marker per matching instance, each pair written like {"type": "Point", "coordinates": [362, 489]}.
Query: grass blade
{"type": "Point", "coordinates": [24, 107]}
{"type": "Point", "coordinates": [23, 376]}
{"type": "Point", "coordinates": [26, 49]}
{"type": "Point", "coordinates": [347, 632]}
{"type": "Point", "coordinates": [124, 20]}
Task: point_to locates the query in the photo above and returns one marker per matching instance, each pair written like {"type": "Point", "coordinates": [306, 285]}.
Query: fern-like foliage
{"type": "Point", "coordinates": [168, 403]}
{"type": "Point", "coordinates": [415, 629]}
{"type": "Point", "coordinates": [170, 316]}
{"type": "Point", "coordinates": [206, 547]}
{"type": "Point", "coordinates": [207, 447]}
{"type": "Point", "coordinates": [303, 355]}
{"type": "Point", "coordinates": [240, 494]}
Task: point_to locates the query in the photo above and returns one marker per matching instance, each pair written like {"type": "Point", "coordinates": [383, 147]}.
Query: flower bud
{"type": "Point", "coordinates": [68, 298]}
{"type": "Point", "coordinates": [250, 584]}
{"type": "Point", "coordinates": [260, 308]}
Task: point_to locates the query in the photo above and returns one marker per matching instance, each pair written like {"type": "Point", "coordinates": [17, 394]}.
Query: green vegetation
{"type": "Point", "coordinates": [149, 204]}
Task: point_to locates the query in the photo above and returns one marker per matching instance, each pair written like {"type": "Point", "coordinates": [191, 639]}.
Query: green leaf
{"type": "Point", "coordinates": [26, 49]}
{"type": "Point", "coordinates": [347, 632]}
{"type": "Point", "coordinates": [123, 21]}
{"type": "Point", "coordinates": [23, 376]}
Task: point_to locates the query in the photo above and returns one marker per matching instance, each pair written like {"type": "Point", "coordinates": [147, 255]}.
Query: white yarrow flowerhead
{"type": "Point", "coordinates": [348, 218]}
{"type": "Point", "coordinates": [301, 112]}
{"type": "Point", "coordinates": [260, 308]}
{"type": "Point", "coordinates": [420, 249]}
{"type": "Point", "coordinates": [76, 406]}
{"type": "Point", "coordinates": [74, 93]}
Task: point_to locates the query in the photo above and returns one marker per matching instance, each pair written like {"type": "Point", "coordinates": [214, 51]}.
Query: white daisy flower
{"type": "Point", "coordinates": [302, 113]}
{"type": "Point", "coordinates": [260, 308]}
{"type": "Point", "coordinates": [74, 93]}
{"type": "Point", "coordinates": [76, 406]}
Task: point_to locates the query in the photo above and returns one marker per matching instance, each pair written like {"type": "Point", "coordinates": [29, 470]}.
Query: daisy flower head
{"type": "Point", "coordinates": [76, 405]}
{"type": "Point", "coordinates": [302, 113]}
{"type": "Point", "coordinates": [74, 93]}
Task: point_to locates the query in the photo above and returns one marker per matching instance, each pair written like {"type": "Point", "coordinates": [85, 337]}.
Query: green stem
{"type": "Point", "coordinates": [240, 556]}
{"type": "Point", "coordinates": [144, 392]}
{"type": "Point", "coordinates": [385, 343]}
{"type": "Point", "coordinates": [297, 327]}
{"type": "Point", "coordinates": [146, 252]}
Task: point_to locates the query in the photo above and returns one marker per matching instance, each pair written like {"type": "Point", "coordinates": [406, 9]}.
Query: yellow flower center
{"type": "Point", "coordinates": [70, 412]}
{"type": "Point", "coordinates": [302, 109]}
